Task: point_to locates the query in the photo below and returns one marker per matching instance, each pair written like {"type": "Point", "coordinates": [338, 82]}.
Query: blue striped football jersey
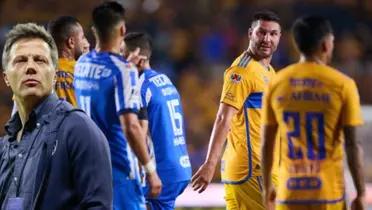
{"type": "Point", "coordinates": [166, 126]}
{"type": "Point", "coordinates": [106, 86]}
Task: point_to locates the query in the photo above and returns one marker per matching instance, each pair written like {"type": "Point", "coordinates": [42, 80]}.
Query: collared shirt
{"type": "Point", "coordinates": [18, 158]}
{"type": "Point", "coordinates": [72, 181]}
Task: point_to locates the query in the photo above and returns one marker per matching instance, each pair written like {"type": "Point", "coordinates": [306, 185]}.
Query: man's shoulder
{"type": "Point", "coordinates": [323, 72]}
{"type": "Point", "coordinates": [149, 73]}
{"type": "Point", "coordinates": [78, 125]}
{"type": "Point", "coordinates": [120, 63]}
{"type": "Point", "coordinates": [152, 76]}
{"type": "Point", "coordinates": [77, 118]}
{"type": "Point", "coordinates": [102, 58]}
{"type": "Point", "coordinates": [245, 62]}
{"type": "Point", "coordinates": [66, 65]}
{"type": "Point", "coordinates": [73, 118]}
{"type": "Point", "coordinates": [337, 75]}
{"type": "Point", "coordinates": [242, 60]}
{"type": "Point", "coordinates": [244, 66]}
{"type": "Point", "coordinates": [85, 57]}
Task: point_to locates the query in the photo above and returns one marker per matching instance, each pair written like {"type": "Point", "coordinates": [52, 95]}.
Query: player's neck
{"type": "Point", "coordinates": [264, 61]}
{"type": "Point", "coordinates": [66, 55]}
{"type": "Point", "coordinates": [144, 67]}
{"type": "Point", "coordinates": [25, 106]}
{"type": "Point", "coordinates": [313, 59]}
{"type": "Point", "coordinates": [112, 47]}
{"type": "Point", "coordinates": [147, 65]}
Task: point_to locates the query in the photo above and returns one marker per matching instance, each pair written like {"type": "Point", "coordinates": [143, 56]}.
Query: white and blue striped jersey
{"type": "Point", "coordinates": [106, 86]}
{"type": "Point", "coordinates": [166, 126]}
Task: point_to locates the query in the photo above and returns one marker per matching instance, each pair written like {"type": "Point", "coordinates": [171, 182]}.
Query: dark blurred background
{"type": "Point", "coordinates": [196, 40]}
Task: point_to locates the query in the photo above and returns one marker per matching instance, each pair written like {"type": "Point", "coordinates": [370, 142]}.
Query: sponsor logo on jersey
{"type": "Point", "coordinates": [230, 96]}
{"type": "Point", "coordinates": [185, 161]}
{"type": "Point", "coordinates": [235, 78]}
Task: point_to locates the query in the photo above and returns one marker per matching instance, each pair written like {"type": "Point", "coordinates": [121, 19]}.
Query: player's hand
{"type": "Point", "coordinates": [269, 198]}
{"type": "Point", "coordinates": [202, 177]}
{"type": "Point", "coordinates": [155, 184]}
{"type": "Point", "coordinates": [358, 203]}
{"type": "Point", "coordinates": [135, 58]}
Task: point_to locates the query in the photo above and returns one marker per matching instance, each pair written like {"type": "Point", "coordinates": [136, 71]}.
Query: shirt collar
{"type": "Point", "coordinates": [13, 125]}
{"type": "Point", "coordinates": [145, 70]}
{"type": "Point", "coordinates": [37, 115]}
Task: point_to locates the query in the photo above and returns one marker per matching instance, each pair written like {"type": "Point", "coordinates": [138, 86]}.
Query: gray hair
{"type": "Point", "coordinates": [26, 31]}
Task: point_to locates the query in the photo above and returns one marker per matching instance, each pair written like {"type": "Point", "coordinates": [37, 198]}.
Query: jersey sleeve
{"type": "Point", "coordinates": [235, 88]}
{"type": "Point", "coordinates": [142, 114]}
{"type": "Point", "coordinates": [351, 113]}
{"type": "Point", "coordinates": [268, 115]}
{"type": "Point", "coordinates": [127, 90]}
{"type": "Point", "coordinates": [145, 91]}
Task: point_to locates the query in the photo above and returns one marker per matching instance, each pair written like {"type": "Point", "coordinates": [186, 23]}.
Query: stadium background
{"type": "Point", "coordinates": [195, 40]}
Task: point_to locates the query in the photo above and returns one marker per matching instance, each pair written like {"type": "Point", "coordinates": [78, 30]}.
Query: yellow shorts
{"type": "Point", "coordinates": [337, 206]}
{"type": "Point", "coordinates": [245, 196]}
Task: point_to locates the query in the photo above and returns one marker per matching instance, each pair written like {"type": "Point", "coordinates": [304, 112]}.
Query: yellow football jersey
{"type": "Point", "coordinates": [65, 77]}
{"type": "Point", "coordinates": [244, 83]}
{"type": "Point", "coordinates": [311, 103]}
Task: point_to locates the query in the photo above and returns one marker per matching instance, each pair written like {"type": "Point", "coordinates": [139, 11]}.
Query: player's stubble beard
{"type": "Point", "coordinates": [78, 52]}
{"type": "Point", "coordinates": [258, 53]}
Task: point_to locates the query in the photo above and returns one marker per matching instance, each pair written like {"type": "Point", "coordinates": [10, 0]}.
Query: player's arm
{"type": "Point", "coordinates": [219, 133]}
{"type": "Point", "coordinates": [267, 151]}
{"type": "Point", "coordinates": [267, 154]}
{"type": "Point", "coordinates": [142, 116]}
{"type": "Point", "coordinates": [137, 141]}
{"type": "Point", "coordinates": [354, 154]}
{"type": "Point", "coordinates": [135, 136]}
{"type": "Point", "coordinates": [144, 125]}
{"type": "Point", "coordinates": [236, 88]}
{"type": "Point", "coordinates": [269, 131]}
{"type": "Point", "coordinates": [143, 120]}
{"type": "Point", "coordinates": [127, 108]}
{"type": "Point", "coordinates": [221, 127]}
{"type": "Point", "coordinates": [351, 117]}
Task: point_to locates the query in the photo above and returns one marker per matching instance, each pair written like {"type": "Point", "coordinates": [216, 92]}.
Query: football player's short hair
{"type": "Point", "coordinates": [62, 28]}
{"type": "Point", "coordinates": [309, 31]}
{"type": "Point", "coordinates": [141, 40]}
{"type": "Point", "coordinates": [105, 18]}
{"type": "Point", "coordinates": [28, 31]}
{"type": "Point", "coordinates": [265, 15]}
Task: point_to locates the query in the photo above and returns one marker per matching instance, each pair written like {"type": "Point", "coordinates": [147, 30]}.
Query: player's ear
{"type": "Point", "coordinates": [122, 30]}
{"type": "Point", "coordinates": [250, 31]}
{"type": "Point", "coordinates": [70, 42]}
{"type": "Point", "coordinates": [6, 79]}
{"type": "Point", "coordinates": [323, 46]}
{"type": "Point", "coordinates": [93, 29]}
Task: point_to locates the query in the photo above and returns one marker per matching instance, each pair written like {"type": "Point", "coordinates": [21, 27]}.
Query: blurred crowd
{"type": "Point", "coordinates": [196, 40]}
